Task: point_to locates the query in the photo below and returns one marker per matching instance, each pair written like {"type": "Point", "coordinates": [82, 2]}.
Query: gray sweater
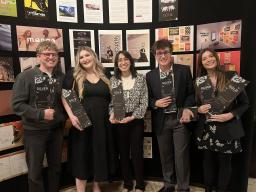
{"type": "Point", "coordinates": [24, 100]}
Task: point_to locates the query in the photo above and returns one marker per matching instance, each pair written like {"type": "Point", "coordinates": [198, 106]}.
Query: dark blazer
{"type": "Point", "coordinates": [184, 92]}
{"type": "Point", "coordinates": [232, 129]}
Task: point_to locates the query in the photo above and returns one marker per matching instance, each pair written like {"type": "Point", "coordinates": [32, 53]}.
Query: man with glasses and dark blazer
{"type": "Point", "coordinates": [172, 134]}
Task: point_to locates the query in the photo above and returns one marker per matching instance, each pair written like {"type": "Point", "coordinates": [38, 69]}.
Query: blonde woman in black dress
{"type": "Point", "coordinates": [90, 148]}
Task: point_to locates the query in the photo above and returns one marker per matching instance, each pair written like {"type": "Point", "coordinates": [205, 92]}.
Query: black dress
{"type": "Point", "coordinates": [92, 154]}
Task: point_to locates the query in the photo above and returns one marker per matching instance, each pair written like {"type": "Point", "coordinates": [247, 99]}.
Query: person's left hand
{"type": "Point", "coordinates": [187, 114]}
{"type": "Point", "coordinates": [127, 119]}
{"type": "Point", "coordinates": [222, 117]}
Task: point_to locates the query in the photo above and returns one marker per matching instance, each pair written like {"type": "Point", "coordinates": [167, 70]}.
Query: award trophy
{"type": "Point", "coordinates": [118, 100]}
{"type": "Point", "coordinates": [168, 90]}
{"type": "Point", "coordinates": [43, 96]}
{"type": "Point", "coordinates": [76, 107]}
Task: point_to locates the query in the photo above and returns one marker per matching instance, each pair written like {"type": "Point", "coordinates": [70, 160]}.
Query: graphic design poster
{"type": "Point", "coordinates": [230, 60]}
{"type": "Point", "coordinates": [147, 122]}
{"type": "Point", "coordinates": [147, 147]}
{"type": "Point", "coordinates": [142, 11]}
{"type": "Point", "coordinates": [11, 135]}
{"type": "Point", "coordinates": [184, 59]}
{"type": "Point", "coordinates": [6, 69]}
{"type": "Point", "coordinates": [12, 165]}
{"type": "Point", "coordinates": [8, 8]}
{"type": "Point", "coordinates": [66, 10]}
{"type": "Point", "coordinates": [138, 46]}
{"type": "Point", "coordinates": [78, 38]}
{"type": "Point", "coordinates": [29, 37]}
{"type": "Point", "coordinates": [93, 11]}
{"type": "Point", "coordinates": [168, 10]}
{"type": "Point", "coordinates": [36, 9]}
{"type": "Point", "coordinates": [221, 35]}
{"type": "Point", "coordinates": [118, 11]}
{"type": "Point", "coordinates": [30, 62]}
{"type": "Point", "coordinates": [180, 36]}
{"type": "Point", "coordinates": [5, 102]}
{"type": "Point", "coordinates": [110, 43]}
{"type": "Point", "coordinates": [5, 37]}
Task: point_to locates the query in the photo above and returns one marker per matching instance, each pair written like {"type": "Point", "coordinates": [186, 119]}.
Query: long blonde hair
{"type": "Point", "coordinates": [79, 73]}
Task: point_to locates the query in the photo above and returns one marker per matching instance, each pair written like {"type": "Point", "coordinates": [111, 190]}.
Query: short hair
{"type": "Point", "coordinates": [132, 67]}
{"type": "Point", "coordinates": [46, 45]}
{"type": "Point", "coordinates": [161, 44]}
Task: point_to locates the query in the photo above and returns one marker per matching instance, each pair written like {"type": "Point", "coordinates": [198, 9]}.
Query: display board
{"type": "Point", "coordinates": [73, 23]}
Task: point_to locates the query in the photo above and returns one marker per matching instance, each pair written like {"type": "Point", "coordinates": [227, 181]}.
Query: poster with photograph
{"type": "Point", "coordinates": [8, 8]}
{"type": "Point", "coordinates": [182, 37]}
{"type": "Point", "coordinates": [147, 122]}
{"type": "Point", "coordinates": [29, 37]}
{"type": "Point", "coordinates": [168, 10]}
{"type": "Point", "coordinates": [93, 11]}
{"type": "Point", "coordinates": [118, 11]}
{"type": "Point", "coordinates": [147, 148]}
{"type": "Point", "coordinates": [229, 60]}
{"type": "Point", "coordinates": [12, 165]}
{"type": "Point", "coordinates": [221, 35]}
{"type": "Point", "coordinates": [110, 43]}
{"type": "Point", "coordinates": [138, 45]}
{"type": "Point", "coordinates": [66, 11]}
{"type": "Point", "coordinates": [36, 9]}
{"type": "Point", "coordinates": [6, 102]}
{"type": "Point", "coordinates": [6, 69]}
{"type": "Point", "coordinates": [30, 62]}
{"type": "Point", "coordinates": [184, 59]}
{"type": "Point", "coordinates": [142, 11]}
{"type": "Point", "coordinates": [78, 38]}
{"type": "Point", "coordinates": [11, 135]}
{"type": "Point", "coordinates": [5, 37]}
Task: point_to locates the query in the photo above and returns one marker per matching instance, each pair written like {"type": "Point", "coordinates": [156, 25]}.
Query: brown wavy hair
{"type": "Point", "coordinates": [220, 73]}
{"type": "Point", "coordinates": [79, 73]}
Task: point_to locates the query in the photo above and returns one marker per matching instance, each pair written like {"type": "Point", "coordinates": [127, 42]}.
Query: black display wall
{"type": "Point", "coordinates": [191, 12]}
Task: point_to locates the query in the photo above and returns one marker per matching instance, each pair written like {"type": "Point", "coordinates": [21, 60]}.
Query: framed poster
{"type": "Point", "coordinates": [35, 9]}
{"type": "Point", "coordinates": [5, 37]}
{"type": "Point", "coordinates": [181, 37]}
{"type": "Point", "coordinates": [138, 45]}
{"type": "Point", "coordinates": [221, 35]}
{"type": "Point", "coordinates": [80, 37]}
{"type": "Point", "coordinates": [29, 37]}
{"type": "Point", "coordinates": [110, 43]}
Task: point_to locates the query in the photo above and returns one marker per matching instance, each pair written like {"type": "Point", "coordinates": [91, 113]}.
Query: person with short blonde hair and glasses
{"type": "Point", "coordinates": [37, 99]}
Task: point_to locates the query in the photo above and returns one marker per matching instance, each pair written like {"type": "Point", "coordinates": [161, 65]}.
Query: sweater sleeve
{"type": "Point", "coordinates": [21, 96]}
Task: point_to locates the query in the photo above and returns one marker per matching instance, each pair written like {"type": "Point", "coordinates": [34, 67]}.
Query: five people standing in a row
{"type": "Point", "coordinates": [92, 150]}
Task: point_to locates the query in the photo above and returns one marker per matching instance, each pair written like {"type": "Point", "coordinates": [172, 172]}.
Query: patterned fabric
{"type": "Point", "coordinates": [136, 99]}
{"type": "Point", "coordinates": [210, 142]}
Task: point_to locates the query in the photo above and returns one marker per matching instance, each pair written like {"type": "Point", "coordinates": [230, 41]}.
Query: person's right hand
{"type": "Point", "coordinates": [75, 122]}
{"type": "Point", "coordinates": [112, 119]}
{"type": "Point", "coordinates": [204, 108]}
{"type": "Point", "coordinates": [164, 102]}
{"type": "Point", "coordinates": [49, 114]}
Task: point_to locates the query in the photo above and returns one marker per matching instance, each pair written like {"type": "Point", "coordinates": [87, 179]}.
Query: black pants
{"type": "Point", "coordinates": [38, 143]}
{"type": "Point", "coordinates": [217, 169]}
{"type": "Point", "coordinates": [130, 139]}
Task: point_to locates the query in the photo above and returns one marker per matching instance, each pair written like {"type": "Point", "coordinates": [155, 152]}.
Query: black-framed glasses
{"type": "Point", "coordinates": [49, 54]}
{"type": "Point", "coordinates": [160, 53]}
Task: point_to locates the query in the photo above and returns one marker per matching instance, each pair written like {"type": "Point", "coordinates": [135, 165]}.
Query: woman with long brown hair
{"type": "Point", "coordinates": [218, 134]}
